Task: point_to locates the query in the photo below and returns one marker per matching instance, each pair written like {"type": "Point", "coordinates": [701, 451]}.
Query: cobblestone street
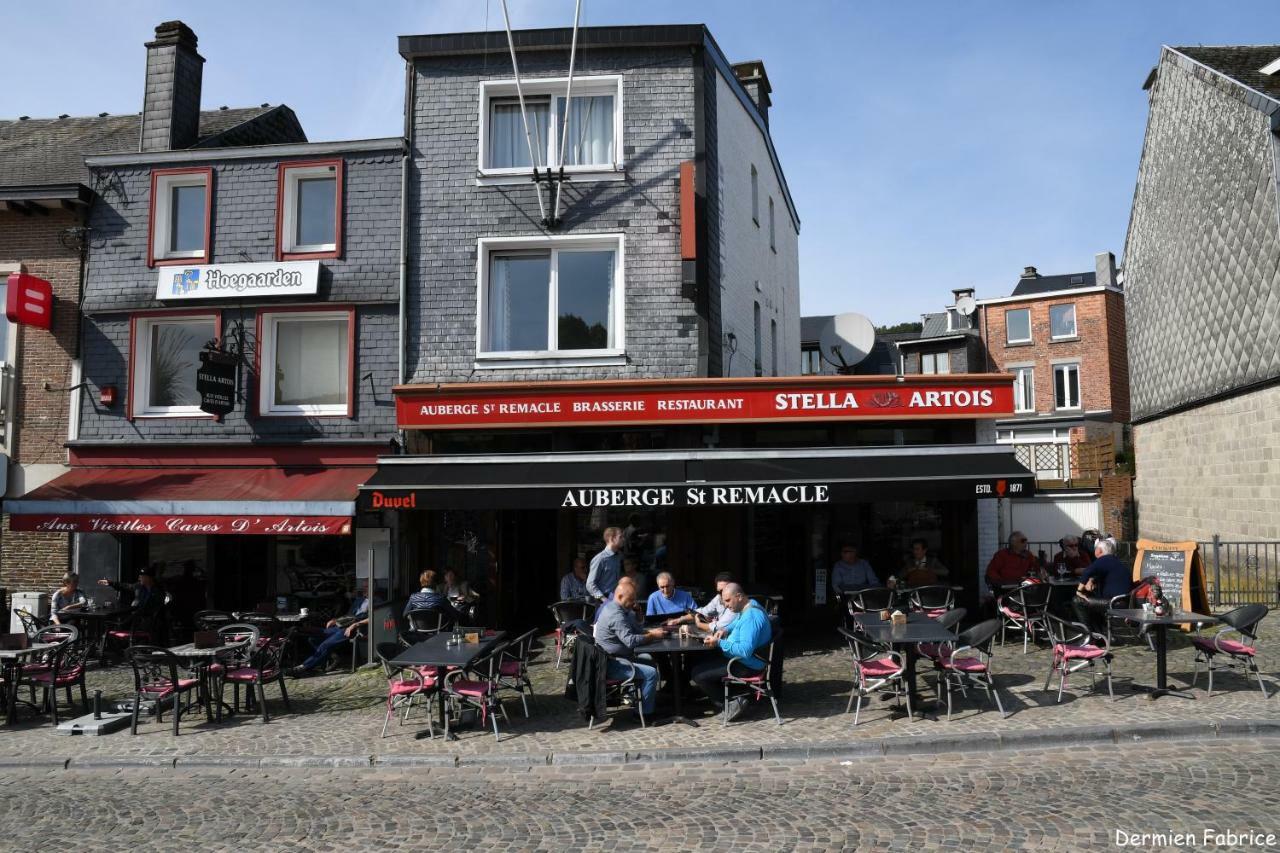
{"type": "Point", "coordinates": [1063, 799]}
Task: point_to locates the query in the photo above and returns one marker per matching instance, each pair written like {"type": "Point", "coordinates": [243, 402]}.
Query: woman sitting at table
{"type": "Point", "coordinates": [68, 596]}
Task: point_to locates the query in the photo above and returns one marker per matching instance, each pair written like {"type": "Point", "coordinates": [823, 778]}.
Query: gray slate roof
{"type": "Point", "coordinates": [1240, 63]}
{"type": "Point", "coordinates": [52, 150]}
{"type": "Point", "coordinates": [811, 327]}
{"type": "Point", "coordinates": [1050, 283]}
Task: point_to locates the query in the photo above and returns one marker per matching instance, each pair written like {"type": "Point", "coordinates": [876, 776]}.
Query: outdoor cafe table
{"type": "Point", "coordinates": [906, 637]}
{"type": "Point", "coordinates": [93, 622]}
{"type": "Point", "coordinates": [10, 659]}
{"type": "Point", "coordinates": [200, 660]}
{"type": "Point", "coordinates": [1159, 626]}
{"type": "Point", "coordinates": [437, 652]}
{"type": "Point", "coordinates": [677, 646]}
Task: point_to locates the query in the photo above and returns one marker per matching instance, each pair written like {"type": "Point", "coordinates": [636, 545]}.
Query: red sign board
{"type": "Point", "coordinates": [703, 401]}
{"type": "Point", "coordinates": [29, 301]}
{"type": "Point", "coordinates": [198, 525]}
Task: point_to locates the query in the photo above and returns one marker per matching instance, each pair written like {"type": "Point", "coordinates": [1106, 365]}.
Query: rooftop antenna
{"type": "Point", "coordinates": [846, 340]}
{"type": "Point", "coordinates": [524, 115]}
{"type": "Point", "coordinates": [568, 108]}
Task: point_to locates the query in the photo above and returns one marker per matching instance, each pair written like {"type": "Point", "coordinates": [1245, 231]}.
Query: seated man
{"type": "Point", "coordinates": [1010, 565]}
{"type": "Point", "coordinates": [618, 632]}
{"type": "Point", "coordinates": [336, 632]}
{"type": "Point", "coordinates": [431, 599]}
{"type": "Point", "coordinates": [667, 600]}
{"type": "Point", "coordinates": [850, 573]}
{"type": "Point", "coordinates": [748, 633]}
{"type": "Point", "coordinates": [573, 586]}
{"type": "Point", "coordinates": [922, 569]}
{"type": "Point", "coordinates": [1075, 560]}
{"type": "Point", "coordinates": [712, 616]}
{"type": "Point", "coordinates": [69, 596]}
{"type": "Point", "coordinates": [1105, 578]}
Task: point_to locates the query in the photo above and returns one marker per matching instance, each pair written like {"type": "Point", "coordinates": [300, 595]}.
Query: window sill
{"type": "Point", "coordinates": [1070, 410]}
{"type": "Point", "coordinates": [343, 414]}
{"type": "Point", "coordinates": [489, 178]}
{"type": "Point", "coordinates": [496, 362]}
{"type": "Point", "coordinates": [173, 416]}
{"type": "Point", "coordinates": [183, 261]}
{"type": "Point", "coordinates": [1072, 339]}
{"type": "Point", "coordinates": [308, 255]}
{"type": "Point", "coordinates": [1019, 343]}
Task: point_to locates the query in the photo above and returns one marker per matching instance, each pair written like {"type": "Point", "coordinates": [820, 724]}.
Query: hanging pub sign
{"type": "Point", "coordinates": [237, 281]}
{"type": "Point", "coordinates": [29, 301]}
{"type": "Point", "coordinates": [216, 382]}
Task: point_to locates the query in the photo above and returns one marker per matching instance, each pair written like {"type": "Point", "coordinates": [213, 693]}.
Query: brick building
{"type": "Point", "coordinates": [47, 193]}
{"type": "Point", "coordinates": [1202, 270]}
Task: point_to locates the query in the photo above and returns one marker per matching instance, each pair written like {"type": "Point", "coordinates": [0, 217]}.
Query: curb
{"type": "Point", "coordinates": [980, 741]}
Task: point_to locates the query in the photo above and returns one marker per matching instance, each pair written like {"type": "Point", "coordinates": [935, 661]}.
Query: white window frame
{"type": "Point", "coordinates": [1075, 330]}
{"type": "Point", "coordinates": [755, 195]}
{"type": "Point", "coordinates": [289, 214]}
{"type": "Point", "coordinates": [1009, 340]}
{"type": "Point", "coordinates": [933, 356]}
{"type": "Point", "coordinates": [141, 355]}
{"type": "Point", "coordinates": [1029, 398]}
{"type": "Point", "coordinates": [1066, 366]}
{"type": "Point", "coordinates": [162, 215]}
{"type": "Point", "coordinates": [267, 373]}
{"type": "Point", "coordinates": [553, 87]}
{"type": "Point", "coordinates": [9, 369]}
{"type": "Point", "coordinates": [616, 354]}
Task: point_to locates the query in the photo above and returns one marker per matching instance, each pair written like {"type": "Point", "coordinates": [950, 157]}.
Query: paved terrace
{"type": "Point", "coordinates": [336, 719]}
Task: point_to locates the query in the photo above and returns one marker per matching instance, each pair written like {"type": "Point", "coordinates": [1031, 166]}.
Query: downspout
{"type": "Point", "coordinates": [403, 320]}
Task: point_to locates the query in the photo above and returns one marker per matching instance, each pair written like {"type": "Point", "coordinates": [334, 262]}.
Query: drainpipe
{"type": "Point", "coordinates": [402, 327]}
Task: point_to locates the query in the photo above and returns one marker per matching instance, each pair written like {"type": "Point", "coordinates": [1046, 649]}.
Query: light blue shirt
{"type": "Point", "coordinates": [660, 605]}
{"type": "Point", "coordinates": [749, 632]}
{"type": "Point", "coordinates": [716, 613]}
{"type": "Point", "coordinates": [606, 568]}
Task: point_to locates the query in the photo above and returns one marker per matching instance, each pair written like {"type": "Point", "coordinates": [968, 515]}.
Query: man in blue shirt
{"type": "Point", "coordinates": [850, 573]}
{"type": "Point", "coordinates": [618, 632]}
{"type": "Point", "coordinates": [1105, 578]}
{"type": "Point", "coordinates": [712, 616]}
{"type": "Point", "coordinates": [746, 635]}
{"type": "Point", "coordinates": [606, 567]}
{"type": "Point", "coordinates": [573, 586]}
{"type": "Point", "coordinates": [336, 632]}
{"type": "Point", "coordinates": [667, 600]}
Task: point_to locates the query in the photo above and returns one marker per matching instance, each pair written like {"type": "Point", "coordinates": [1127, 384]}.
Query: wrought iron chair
{"type": "Point", "coordinates": [513, 669]}
{"type": "Point", "coordinates": [405, 684]}
{"type": "Point", "coordinates": [566, 612]}
{"type": "Point", "coordinates": [232, 659]}
{"type": "Point", "coordinates": [756, 683]}
{"type": "Point", "coordinates": [1243, 622]}
{"type": "Point", "coordinates": [62, 666]}
{"type": "Point", "coordinates": [156, 679]}
{"type": "Point", "coordinates": [263, 668]}
{"type": "Point", "coordinates": [875, 667]}
{"type": "Point", "coordinates": [1024, 609]}
{"type": "Point", "coordinates": [1076, 647]}
{"type": "Point", "coordinates": [30, 622]}
{"type": "Point", "coordinates": [969, 661]}
{"type": "Point", "coordinates": [211, 620]}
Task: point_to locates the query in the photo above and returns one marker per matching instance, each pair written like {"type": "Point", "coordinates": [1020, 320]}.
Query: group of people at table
{"type": "Point", "coordinates": [1100, 576]}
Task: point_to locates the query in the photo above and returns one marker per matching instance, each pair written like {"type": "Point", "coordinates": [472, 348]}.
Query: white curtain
{"type": "Point", "coordinates": [590, 138]}
{"type": "Point", "coordinates": [508, 147]}
{"type": "Point", "coordinates": [516, 304]}
{"type": "Point", "coordinates": [311, 362]}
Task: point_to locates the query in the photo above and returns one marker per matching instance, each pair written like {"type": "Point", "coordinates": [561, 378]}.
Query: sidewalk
{"type": "Point", "coordinates": [340, 715]}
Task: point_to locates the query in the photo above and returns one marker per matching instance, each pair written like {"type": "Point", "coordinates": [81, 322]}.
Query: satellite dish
{"type": "Point", "coordinates": [847, 339]}
{"type": "Point", "coordinates": [966, 305]}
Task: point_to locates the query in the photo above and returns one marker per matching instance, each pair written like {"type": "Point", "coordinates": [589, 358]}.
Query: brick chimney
{"type": "Point", "coordinates": [171, 103]}
{"type": "Point", "coordinates": [1106, 266]}
{"type": "Point", "coordinates": [1028, 273]}
{"type": "Point", "coordinates": [752, 77]}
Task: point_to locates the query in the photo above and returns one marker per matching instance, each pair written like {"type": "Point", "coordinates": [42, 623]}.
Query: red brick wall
{"type": "Point", "coordinates": [1118, 507]}
{"type": "Point", "coordinates": [1098, 345]}
{"type": "Point", "coordinates": [32, 560]}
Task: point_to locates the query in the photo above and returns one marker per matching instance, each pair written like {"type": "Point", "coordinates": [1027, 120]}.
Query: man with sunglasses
{"type": "Point", "coordinates": [1010, 565]}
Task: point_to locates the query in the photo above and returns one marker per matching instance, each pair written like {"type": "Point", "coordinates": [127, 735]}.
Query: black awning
{"type": "Point", "coordinates": [697, 478]}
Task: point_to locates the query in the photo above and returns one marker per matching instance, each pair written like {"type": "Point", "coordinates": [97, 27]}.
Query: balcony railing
{"type": "Point", "coordinates": [1078, 464]}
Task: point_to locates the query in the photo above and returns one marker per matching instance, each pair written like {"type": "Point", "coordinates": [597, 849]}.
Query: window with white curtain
{"type": "Point", "coordinates": [166, 357]}
{"type": "Point", "coordinates": [1062, 321]}
{"type": "Point", "coordinates": [588, 123]}
{"type": "Point", "coordinates": [1024, 389]}
{"type": "Point", "coordinates": [550, 297]}
{"type": "Point", "coordinates": [935, 362]}
{"type": "Point", "coordinates": [1066, 386]}
{"type": "Point", "coordinates": [306, 363]}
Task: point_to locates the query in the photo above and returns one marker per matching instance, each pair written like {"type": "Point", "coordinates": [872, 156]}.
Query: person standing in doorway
{"type": "Point", "coordinates": [606, 567]}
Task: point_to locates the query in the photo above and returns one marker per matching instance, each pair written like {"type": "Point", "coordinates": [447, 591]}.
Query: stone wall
{"type": "Point", "coordinates": [1212, 469]}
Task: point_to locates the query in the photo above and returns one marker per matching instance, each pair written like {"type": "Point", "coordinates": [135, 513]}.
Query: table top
{"type": "Point", "coordinates": [96, 613]}
{"type": "Point", "coordinates": [14, 654]}
{"type": "Point", "coordinates": [189, 650]}
{"type": "Point", "coordinates": [873, 618]}
{"type": "Point", "coordinates": [927, 631]}
{"type": "Point", "coordinates": [1178, 617]}
{"type": "Point", "coordinates": [676, 643]}
{"type": "Point", "coordinates": [436, 651]}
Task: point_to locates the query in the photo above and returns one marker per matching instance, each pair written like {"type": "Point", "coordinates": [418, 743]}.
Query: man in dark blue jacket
{"type": "Point", "coordinates": [1106, 577]}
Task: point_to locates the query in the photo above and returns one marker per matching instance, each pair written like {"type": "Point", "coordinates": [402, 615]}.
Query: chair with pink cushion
{"type": "Point", "coordinates": [1075, 647]}
{"type": "Point", "coordinates": [232, 659]}
{"type": "Point", "coordinates": [949, 620]}
{"type": "Point", "coordinates": [875, 668]}
{"type": "Point", "coordinates": [156, 679]}
{"type": "Point", "coordinates": [60, 668]}
{"type": "Point", "coordinates": [933, 601]}
{"type": "Point", "coordinates": [513, 670]}
{"type": "Point", "coordinates": [757, 684]}
{"type": "Point", "coordinates": [404, 685]}
{"type": "Point", "coordinates": [968, 661]}
{"type": "Point", "coordinates": [263, 667]}
{"type": "Point", "coordinates": [477, 687]}
{"type": "Point", "coordinates": [1023, 609]}
{"type": "Point", "coordinates": [1241, 649]}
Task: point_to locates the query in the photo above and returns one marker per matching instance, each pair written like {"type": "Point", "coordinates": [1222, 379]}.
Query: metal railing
{"type": "Point", "coordinates": [1241, 572]}
{"type": "Point", "coordinates": [1069, 463]}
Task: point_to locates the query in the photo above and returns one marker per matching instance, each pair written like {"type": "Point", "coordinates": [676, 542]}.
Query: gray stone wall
{"type": "Point", "coordinates": [244, 223]}
{"type": "Point", "coordinates": [1202, 259]}
{"type": "Point", "coordinates": [1212, 469]}
{"type": "Point", "coordinates": [450, 212]}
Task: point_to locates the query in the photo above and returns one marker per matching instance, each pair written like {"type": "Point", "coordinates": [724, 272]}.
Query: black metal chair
{"type": "Point", "coordinates": [404, 685]}
{"type": "Point", "coordinates": [211, 620]}
{"type": "Point", "coordinates": [1076, 646]}
{"type": "Point", "coordinates": [1024, 609]}
{"type": "Point", "coordinates": [30, 622]}
{"type": "Point", "coordinates": [477, 687]}
{"type": "Point", "coordinates": [1243, 622]}
{"type": "Point", "coordinates": [513, 669]}
{"type": "Point", "coordinates": [156, 679]}
{"type": "Point", "coordinates": [233, 659]}
{"type": "Point", "coordinates": [754, 683]}
{"type": "Point", "coordinates": [263, 668]}
{"type": "Point", "coordinates": [870, 599]}
{"type": "Point", "coordinates": [566, 612]}
{"type": "Point", "coordinates": [958, 668]}
{"type": "Point", "coordinates": [932, 601]}
{"type": "Point", "coordinates": [876, 667]}
{"type": "Point", "coordinates": [423, 624]}
{"type": "Point", "coordinates": [62, 666]}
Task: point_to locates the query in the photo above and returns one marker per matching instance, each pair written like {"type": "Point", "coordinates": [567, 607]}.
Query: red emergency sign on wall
{"type": "Point", "coordinates": [29, 301]}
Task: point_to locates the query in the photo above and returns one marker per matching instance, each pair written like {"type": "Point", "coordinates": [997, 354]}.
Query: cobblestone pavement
{"type": "Point", "coordinates": [342, 714]}
{"type": "Point", "coordinates": [1062, 799]}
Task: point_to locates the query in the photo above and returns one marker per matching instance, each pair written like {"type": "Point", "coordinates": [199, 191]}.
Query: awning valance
{"type": "Point", "coordinates": [193, 500]}
{"type": "Point", "coordinates": [696, 478]}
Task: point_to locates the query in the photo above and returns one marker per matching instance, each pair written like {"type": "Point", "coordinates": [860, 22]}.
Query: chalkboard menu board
{"type": "Point", "coordinates": [1177, 567]}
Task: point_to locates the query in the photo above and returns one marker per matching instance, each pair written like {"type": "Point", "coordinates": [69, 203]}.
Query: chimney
{"type": "Point", "coordinates": [171, 102]}
{"type": "Point", "coordinates": [1029, 272]}
{"type": "Point", "coordinates": [1106, 266]}
{"type": "Point", "coordinates": [959, 293]}
{"type": "Point", "coordinates": [752, 77]}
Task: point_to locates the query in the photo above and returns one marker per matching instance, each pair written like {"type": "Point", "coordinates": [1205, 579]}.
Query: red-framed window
{"type": "Point", "coordinates": [180, 219]}
{"type": "Point", "coordinates": [306, 362]}
{"type": "Point", "coordinates": [309, 214]}
{"type": "Point", "coordinates": [164, 354]}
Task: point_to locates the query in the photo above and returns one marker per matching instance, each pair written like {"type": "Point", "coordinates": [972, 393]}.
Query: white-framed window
{"type": "Point", "coordinates": [590, 125]}
{"type": "Point", "coordinates": [1066, 386]}
{"type": "Point", "coordinates": [551, 297]}
{"type": "Point", "coordinates": [1062, 321]}
{"type": "Point", "coordinates": [1024, 389]}
{"type": "Point", "coordinates": [811, 361]}
{"type": "Point", "coordinates": [166, 356]}
{"type": "Point", "coordinates": [755, 195]}
{"type": "Point", "coordinates": [1017, 326]}
{"type": "Point", "coordinates": [773, 347]}
{"type": "Point", "coordinates": [310, 212]}
{"type": "Point", "coordinates": [305, 363]}
{"type": "Point", "coordinates": [773, 243]}
{"type": "Point", "coordinates": [759, 344]}
{"type": "Point", "coordinates": [180, 214]}
{"type": "Point", "coordinates": [9, 348]}
{"type": "Point", "coordinates": [935, 362]}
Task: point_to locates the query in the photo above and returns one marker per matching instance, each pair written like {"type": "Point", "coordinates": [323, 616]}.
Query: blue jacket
{"type": "Point", "coordinates": [747, 633]}
{"type": "Point", "coordinates": [1113, 577]}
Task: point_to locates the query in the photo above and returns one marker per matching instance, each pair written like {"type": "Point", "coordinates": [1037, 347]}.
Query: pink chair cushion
{"type": "Point", "coordinates": [35, 667]}
{"type": "Point", "coordinates": [162, 689]}
{"type": "Point", "coordinates": [477, 689]}
{"type": "Point", "coordinates": [216, 667]}
{"type": "Point", "coordinates": [248, 674]}
{"type": "Point", "coordinates": [510, 668]}
{"type": "Point", "coordinates": [69, 677]}
{"type": "Point", "coordinates": [403, 688]}
{"type": "Point", "coordinates": [1012, 614]}
{"type": "Point", "coordinates": [935, 612]}
{"type": "Point", "coordinates": [879, 668]}
{"type": "Point", "coordinates": [758, 678]}
{"type": "Point", "coordinates": [1077, 651]}
{"type": "Point", "coordinates": [1231, 647]}
{"type": "Point", "coordinates": [930, 650]}
{"type": "Point", "coordinates": [965, 664]}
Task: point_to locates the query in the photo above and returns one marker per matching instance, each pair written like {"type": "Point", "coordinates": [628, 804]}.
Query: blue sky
{"type": "Point", "coordinates": [929, 145]}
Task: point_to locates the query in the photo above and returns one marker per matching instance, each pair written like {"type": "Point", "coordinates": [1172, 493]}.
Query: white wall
{"type": "Point", "coordinates": [745, 255]}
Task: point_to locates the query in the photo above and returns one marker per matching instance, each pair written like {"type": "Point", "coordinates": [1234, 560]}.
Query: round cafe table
{"type": "Point", "coordinates": [676, 647]}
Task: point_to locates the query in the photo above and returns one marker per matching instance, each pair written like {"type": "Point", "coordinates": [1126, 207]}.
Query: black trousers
{"type": "Point", "coordinates": [1092, 612]}
{"type": "Point", "coordinates": [707, 677]}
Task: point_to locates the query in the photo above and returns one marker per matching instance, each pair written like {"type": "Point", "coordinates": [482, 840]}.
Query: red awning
{"type": "Point", "coordinates": [205, 500]}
